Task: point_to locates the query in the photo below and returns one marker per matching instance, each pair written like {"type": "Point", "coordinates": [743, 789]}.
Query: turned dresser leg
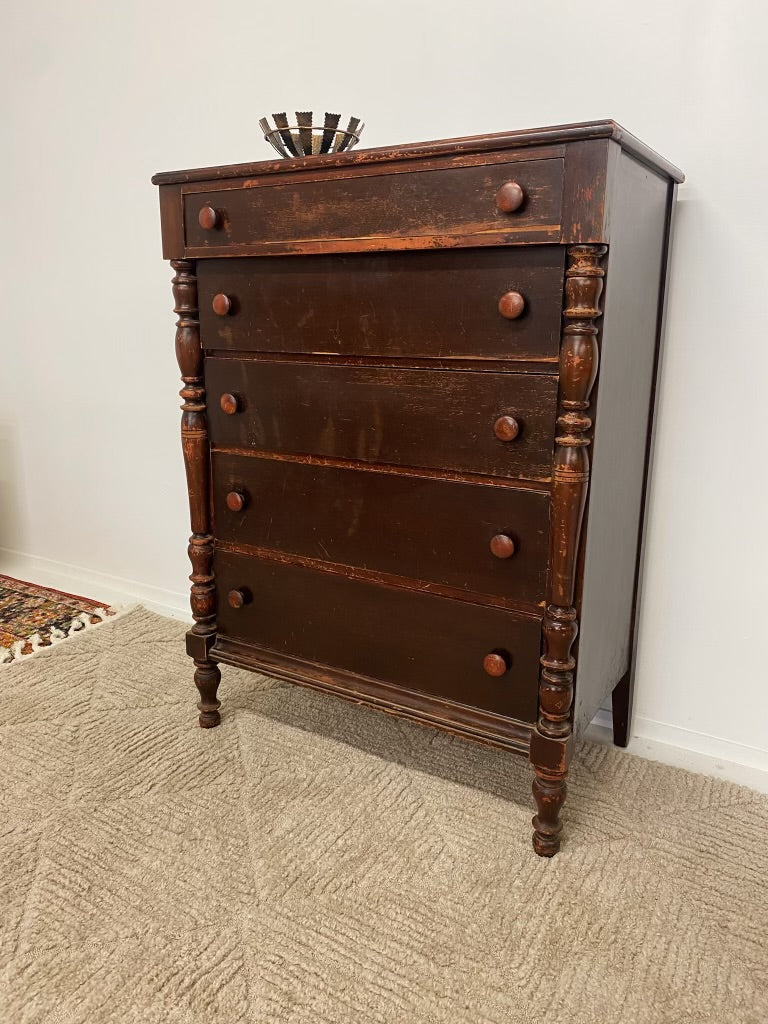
{"type": "Point", "coordinates": [549, 792]}
{"type": "Point", "coordinates": [194, 442]}
{"type": "Point", "coordinates": [552, 740]}
{"type": "Point", "coordinates": [207, 676]}
{"type": "Point", "coordinates": [207, 679]}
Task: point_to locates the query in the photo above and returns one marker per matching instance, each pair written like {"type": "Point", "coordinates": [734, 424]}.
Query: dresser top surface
{"type": "Point", "coordinates": [558, 134]}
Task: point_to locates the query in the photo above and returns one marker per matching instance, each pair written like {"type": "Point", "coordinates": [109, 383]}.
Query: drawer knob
{"type": "Point", "coordinates": [208, 218]}
{"type": "Point", "coordinates": [222, 304]}
{"type": "Point", "coordinates": [237, 598]}
{"type": "Point", "coordinates": [511, 305]}
{"type": "Point", "coordinates": [502, 546]}
{"type": "Point", "coordinates": [496, 664]}
{"type": "Point", "coordinates": [506, 428]}
{"type": "Point", "coordinates": [236, 501]}
{"type": "Point", "coordinates": [510, 197]}
{"type": "Point", "coordinates": [229, 404]}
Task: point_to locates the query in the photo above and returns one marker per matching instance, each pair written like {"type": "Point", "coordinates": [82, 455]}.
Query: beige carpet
{"type": "Point", "coordinates": [311, 862]}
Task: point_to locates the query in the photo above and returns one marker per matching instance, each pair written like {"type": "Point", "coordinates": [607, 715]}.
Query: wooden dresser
{"type": "Point", "coordinates": [417, 410]}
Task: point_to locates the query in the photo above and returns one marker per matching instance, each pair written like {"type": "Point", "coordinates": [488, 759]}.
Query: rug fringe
{"type": "Point", "coordinates": [47, 639]}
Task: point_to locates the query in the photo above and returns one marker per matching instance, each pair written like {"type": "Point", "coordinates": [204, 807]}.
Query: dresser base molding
{"type": "Point", "coordinates": [470, 723]}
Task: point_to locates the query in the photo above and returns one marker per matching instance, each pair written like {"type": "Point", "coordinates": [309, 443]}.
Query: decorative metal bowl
{"type": "Point", "coordinates": [307, 139]}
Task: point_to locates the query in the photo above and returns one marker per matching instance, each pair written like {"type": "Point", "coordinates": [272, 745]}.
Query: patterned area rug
{"type": "Point", "coordinates": [32, 617]}
{"type": "Point", "coordinates": [312, 862]}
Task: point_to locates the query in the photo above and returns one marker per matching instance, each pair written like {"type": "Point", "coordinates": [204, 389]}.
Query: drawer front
{"type": "Point", "coordinates": [429, 530]}
{"type": "Point", "coordinates": [449, 205]}
{"type": "Point", "coordinates": [414, 640]}
{"type": "Point", "coordinates": [430, 418]}
{"type": "Point", "coordinates": [411, 304]}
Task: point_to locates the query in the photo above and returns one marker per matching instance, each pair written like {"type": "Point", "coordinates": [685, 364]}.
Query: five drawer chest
{"type": "Point", "coordinates": [418, 392]}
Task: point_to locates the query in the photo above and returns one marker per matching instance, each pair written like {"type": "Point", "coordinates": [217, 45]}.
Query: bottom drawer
{"type": "Point", "coordinates": [414, 640]}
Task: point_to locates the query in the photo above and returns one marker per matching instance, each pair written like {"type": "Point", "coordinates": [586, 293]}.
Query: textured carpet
{"type": "Point", "coordinates": [311, 862]}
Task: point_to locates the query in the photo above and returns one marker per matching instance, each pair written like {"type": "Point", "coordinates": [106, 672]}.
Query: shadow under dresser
{"type": "Point", "coordinates": [417, 416]}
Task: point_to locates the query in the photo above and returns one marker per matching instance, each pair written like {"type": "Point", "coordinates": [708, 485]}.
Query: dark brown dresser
{"type": "Point", "coordinates": [417, 416]}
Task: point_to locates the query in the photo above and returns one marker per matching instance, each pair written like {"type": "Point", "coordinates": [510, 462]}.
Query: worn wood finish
{"type": "Point", "coordinates": [194, 440]}
{"type": "Point", "coordinates": [415, 705]}
{"type": "Point", "coordinates": [401, 417]}
{"type": "Point", "coordinates": [502, 546]}
{"type": "Point", "coordinates": [551, 744]}
{"type": "Point", "coordinates": [229, 404]}
{"type": "Point", "coordinates": [171, 221]}
{"type": "Point", "coordinates": [428, 204]}
{"type": "Point", "coordinates": [403, 386]}
{"type": "Point", "coordinates": [510, 197]}
{"type": "Point", "coordinates": [440, 645]}
{"type": "Point", "coordinates": [447, 305]}
{"type": "Point", "coordinates": [438, 531]}
{"type": "Point", "coordinates": [515, 143]}
{"type": "Point", "coordinates": [588, 149]}
{"type": "Point", "coordinates": [512, 305]}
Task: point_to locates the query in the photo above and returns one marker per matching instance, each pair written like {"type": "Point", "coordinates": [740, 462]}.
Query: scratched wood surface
{"type": "Point", "coordinates": [517, 142]}
{"type": "Point", "coordinates": [446, 304]}
{"type": "Point", "coordinates": [431, 204]}
{"type": "Point", "coordinates": [399, 425]}
{"type": "Point", "coordinates": [435, 532]}
{"type": "Point", "coordinates": [378, 414]}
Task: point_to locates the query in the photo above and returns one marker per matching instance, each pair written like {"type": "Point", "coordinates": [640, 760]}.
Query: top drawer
{"type": "Point", "coordinates": [421, 209]}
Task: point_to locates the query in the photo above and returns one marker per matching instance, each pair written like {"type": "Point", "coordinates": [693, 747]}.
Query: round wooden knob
{"type": "Point", "coordinates": [237, 598]}
{"type": "Point", "coordinates": [502, 546]}
{"type": "Point", "coordinates": [229, 404]}
{"type": "Point", "coordinates": [495, 664]}
{"type": "Point", "coordinates": [208, 218]}
{"type": "Point", "coordinates": [222, 304]}
{"type": "Point", "coordinates": [236, 501]}
{"type": "Point", "coordinates": [511, 305]}
{"type": "Point", "coordinates": [506, 428]}
{"type": "Point", "coordinates": [510, 197]}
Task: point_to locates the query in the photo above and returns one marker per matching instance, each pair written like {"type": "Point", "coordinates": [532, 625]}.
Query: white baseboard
{"type": "Point", "coordinates": [656, 741]}
{"type": "Point", "coordinates": [98, 586]}
{"type": "Point", "coordinates": [684, 748]}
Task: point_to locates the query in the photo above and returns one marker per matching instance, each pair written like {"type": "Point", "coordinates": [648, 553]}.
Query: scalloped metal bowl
{"type": "Point", "coordinates": [303, 138]}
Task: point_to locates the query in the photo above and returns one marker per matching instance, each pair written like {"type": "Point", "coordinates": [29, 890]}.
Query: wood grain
{"type": "Point", "coordinates": [433, 531]}
{"type": "Point", "coordinates": [386, 426]}
{"type": "Point", "coordinates": [401, 417]}
{"type": "Point", "coordinates": [423, 205]}
{"type": "Point", "coordinates": [446, 307]}
{"type": "Point", "coordinates": [515, 142]}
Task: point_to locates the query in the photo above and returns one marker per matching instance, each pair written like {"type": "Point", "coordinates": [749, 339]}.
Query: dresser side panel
{"type": "Point", "coordinates": [639, 215]}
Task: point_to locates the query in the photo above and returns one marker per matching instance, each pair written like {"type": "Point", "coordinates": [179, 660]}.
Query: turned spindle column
{"type": "Point", "coordinates": [552, 740]}
{"type": "Point", "coordinates": [194, 442]}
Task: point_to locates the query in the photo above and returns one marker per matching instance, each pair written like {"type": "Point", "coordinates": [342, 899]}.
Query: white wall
{"type": "Point", "coordinates": [98, 96]}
